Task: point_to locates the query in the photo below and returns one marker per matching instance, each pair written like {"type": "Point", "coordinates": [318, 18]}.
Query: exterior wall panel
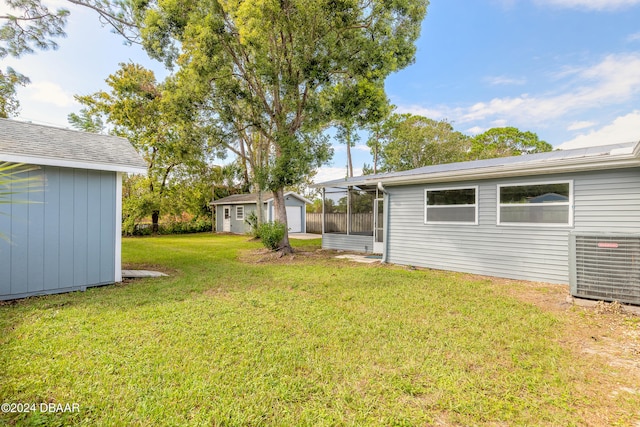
{"type": "Point", "coordinates": [35, 238]}
{"type": "Point", "coordinates": [65, 234]}
{"type": "Point", "coordinates": [604, 201]}
{"type": "Point", "coordinates": [347, 243]}
{"type": "Point", "coordinates": [107, 216]}
{"type": "Point", "coordinates": [64, 239]}
{"type": "Point", "coordinates": [52, 261]}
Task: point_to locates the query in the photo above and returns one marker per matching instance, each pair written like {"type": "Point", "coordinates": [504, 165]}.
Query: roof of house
{"type": "Point", "coordinates": [22, 142]}
{"type": "Point", "coordinates": [559, 161]}
{"type": "Point", "coordinates": [241, 199]}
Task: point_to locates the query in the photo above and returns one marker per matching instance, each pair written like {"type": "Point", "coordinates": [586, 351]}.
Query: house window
{"type": "Point", "coordinates": [451, 205]}
{"type": "Point", "coordinates": [536, 204]}
{"type": "Point", "coordinates": [239, 213]}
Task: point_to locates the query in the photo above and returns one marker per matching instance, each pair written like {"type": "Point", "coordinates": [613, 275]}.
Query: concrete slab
{"type": "Point", "coordinates": [304, 236]}
{"type": "Point", "coordinates": [367, 259]}
{"type": "Point", "coordinates": [141, 274]}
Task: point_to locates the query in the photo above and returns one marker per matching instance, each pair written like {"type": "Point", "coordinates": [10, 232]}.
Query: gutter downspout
{"type": "Point", "coordinates": [385, 220]}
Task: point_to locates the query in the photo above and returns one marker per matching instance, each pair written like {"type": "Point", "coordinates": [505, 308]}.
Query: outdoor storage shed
{"type": "Point", "coordinates": [232, 211]}
{"type": "Point", "coordinates": [548, 217]}
{"type": "Point", "coordinates": [64, 232]}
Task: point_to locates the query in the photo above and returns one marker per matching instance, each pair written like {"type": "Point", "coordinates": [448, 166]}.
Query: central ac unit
{"type": "Point", "coordinates": [605, 267]}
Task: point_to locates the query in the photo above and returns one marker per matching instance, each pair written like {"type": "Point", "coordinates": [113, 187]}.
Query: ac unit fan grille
{"type": "Point", "coordinates": [607, 267]}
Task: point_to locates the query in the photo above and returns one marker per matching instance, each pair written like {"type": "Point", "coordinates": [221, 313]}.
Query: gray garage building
{"type": "Point", "coordinates": [63, 233]}
{"type": "Point", "coordinates": [232, 211]}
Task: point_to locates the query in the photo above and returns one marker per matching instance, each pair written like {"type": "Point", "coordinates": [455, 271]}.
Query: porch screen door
{"type": "Point", "coordinates": [378, 225]}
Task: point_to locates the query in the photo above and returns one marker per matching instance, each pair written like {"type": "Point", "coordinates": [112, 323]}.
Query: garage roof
{"type": "Point", "coordinates": [241, 199]}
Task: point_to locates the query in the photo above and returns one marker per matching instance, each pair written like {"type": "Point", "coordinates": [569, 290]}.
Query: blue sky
{"type": "Point", "coordinates": [568, 70]}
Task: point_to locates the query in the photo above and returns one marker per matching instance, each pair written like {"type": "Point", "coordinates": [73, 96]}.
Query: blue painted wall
{"type": "Point", "coordinates": [64, 238]}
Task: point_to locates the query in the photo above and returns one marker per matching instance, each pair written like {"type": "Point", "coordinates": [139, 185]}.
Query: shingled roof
{"type": "Point", "coordinates": [241, 199]}
{"type": "Point", "coordinates": [23, 142]}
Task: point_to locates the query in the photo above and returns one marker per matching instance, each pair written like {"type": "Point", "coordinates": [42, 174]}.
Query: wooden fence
{"type": "Point", "coordinates": [337, 223]}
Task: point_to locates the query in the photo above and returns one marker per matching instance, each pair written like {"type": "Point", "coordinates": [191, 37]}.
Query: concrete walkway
{"type": "Point", "coordinates": [140, 274]}
{"type": "Point", "coordinates": [304, 236]}
{"type": "Point", "coordinates": [367, 259]}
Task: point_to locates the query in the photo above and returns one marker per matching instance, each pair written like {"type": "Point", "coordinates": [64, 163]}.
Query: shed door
{"type": "Point", "coordinates": [294, 219]}
{"type": "Point", "coordinates": [226, 221]}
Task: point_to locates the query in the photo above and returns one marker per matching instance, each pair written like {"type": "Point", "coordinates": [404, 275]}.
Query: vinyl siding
{"type": "Point", "coordinates": [64, 239]}
{"type": "Point", "coordinates": [237, 226]}
{"type": "Point", "coordinates": [347, 243]}
{"type": "Point", "coordinates": [606, 201]}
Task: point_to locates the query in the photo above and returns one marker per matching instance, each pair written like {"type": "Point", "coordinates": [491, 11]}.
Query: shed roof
{"type": "Point", "coordinates": [240, 199]}
{"type": "Point", "coordinates": [22, 142]}
{"type": "Point", "coordinates": [559, 161]}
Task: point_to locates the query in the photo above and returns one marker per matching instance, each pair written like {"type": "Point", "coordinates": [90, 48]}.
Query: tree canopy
{"type": "Point", "coordinates": [141, 110]}
{"type": "Point", "coordinates": [504, 142]}
{"type": "Point", "coordinates": [275, 68]}
{"type": "Point", "coordinates": [410, 141]}
{"type": "Point", "coordinates": [407, 141]}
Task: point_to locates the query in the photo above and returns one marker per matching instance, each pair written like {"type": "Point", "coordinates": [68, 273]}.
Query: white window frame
{"type": "Point", "coordinates": [466, 187]}
{"type": "Point", "coordinates": [536, 224]}
{"type": "Point", "coordinates": [239, 213]}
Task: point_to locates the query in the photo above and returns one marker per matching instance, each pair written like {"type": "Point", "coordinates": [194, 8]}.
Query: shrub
{"type": "Point", "coordinates": [271, 234]}
{"type": "Point", "coordinates": [194, 226]}
{"type": "Point", "coordinates": [144, 229]}
{"type": "Point", "coordinates": [252, 220]}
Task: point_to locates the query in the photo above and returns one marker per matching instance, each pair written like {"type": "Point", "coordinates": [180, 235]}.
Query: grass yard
{"type": "Point", "coordinates": [235, 337]}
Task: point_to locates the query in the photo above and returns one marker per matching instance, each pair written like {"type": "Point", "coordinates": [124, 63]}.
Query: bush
{"type": "Point", "coordinates": [271, 234]}
{"type": "Point", "coordinates": [144, 229]}
{"type": "Point", "coordinates": [252, 220]}
{"type": "Point", "coordinates": [195, 226]}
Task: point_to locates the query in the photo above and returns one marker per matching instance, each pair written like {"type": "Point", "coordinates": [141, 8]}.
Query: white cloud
{"type": "Point", "coordinates": [328, 173]}
{"type": "Point", "coordinates": [49, 93]}
{"type": "Point", "coordinates": [580, 125]}
{"type": "Point", "coordinates": [476, 130]}
{"type": "Point", "coordinates": [633, 37]}
{"type": "Point", "coordinates": [623, 129]}
{"type": "Point", "coordinates": [614, 80]}
{"type": "Point", "coordinates": [505, 81]}
{"type": "Point", "coordinates": [600, 5]}
{"type": "Point", "coordinates": [362, 147]}
{"type": "Point", "coordinates": [435, 114]}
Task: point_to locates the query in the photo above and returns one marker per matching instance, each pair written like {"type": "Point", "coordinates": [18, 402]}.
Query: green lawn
{"type": "Point", "coordinates": [308, 341]}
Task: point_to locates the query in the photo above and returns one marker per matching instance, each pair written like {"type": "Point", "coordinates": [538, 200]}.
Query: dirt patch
{"type": "Point", "coordinates": [603, 336]}
{"type": "Point", "coordinates": [301, 254]}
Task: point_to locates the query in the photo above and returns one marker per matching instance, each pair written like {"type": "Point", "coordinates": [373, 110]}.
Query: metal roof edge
{"type": "Point", "coordinates": [616, 158]}
{"type": "Point", "coordinates": [516, 170]}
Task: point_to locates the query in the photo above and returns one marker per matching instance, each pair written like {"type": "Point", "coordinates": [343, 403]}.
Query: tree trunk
{"type": "Point", "coordinates": [281, 215]}
{"type": "Point", "coordinates": [375, 155]}
{"type": "Point", "coordinates": [349, 161]}
{"type": "Point", "coordinates": [259, 203]}
{"type": "Point", "coordinates": [155, 215]}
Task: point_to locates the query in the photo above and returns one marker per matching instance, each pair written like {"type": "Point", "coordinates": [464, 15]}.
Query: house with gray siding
{"type": "Point", "coordinates": [232, 211]}
{"type": "Point", "coordinates": [514, 217]}
{"type": "Point", "coordinates": [63, 233]}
